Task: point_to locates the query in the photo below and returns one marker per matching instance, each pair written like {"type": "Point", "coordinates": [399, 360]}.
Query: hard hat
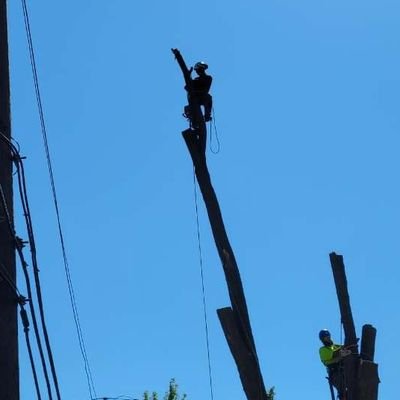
{"type": "Point", "coordinates": [200, 65]}
{"type": "Point", "coordinates": [324, 333]}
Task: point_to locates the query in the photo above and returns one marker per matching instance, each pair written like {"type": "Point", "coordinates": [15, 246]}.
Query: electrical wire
{"type": "Point", "coordinates": [203, 289]}
{"type": "Point", "coordinates": [24, 264]}
{"type": "Point", "coordinates": [32, 245]}
{"type": "Point", "coordinates": [19, 244]}
{"type": "Point", "coordinates": [82, 345]}
{"type": "Point", "coordinates": [25, 322]}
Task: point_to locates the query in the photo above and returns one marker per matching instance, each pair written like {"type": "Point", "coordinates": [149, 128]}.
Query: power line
{"type": "Point", "coordinates": [82, 345]}
{"type": "Point", "coordinates": [19, 244]}
{"type": "Point", "coordinates": [25, 322]}
{"type": "Point", "coordinates": [29, 226]}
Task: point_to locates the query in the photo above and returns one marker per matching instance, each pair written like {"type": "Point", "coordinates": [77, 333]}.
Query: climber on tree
{"type": "Point", "coordinates": [331, 356]}
{"type": "Point", "coordinates": [198, 96]}
{"type": "Point", "coordinates": [200, 88]}
{"type": "Point", "coordinates": [197, 88]}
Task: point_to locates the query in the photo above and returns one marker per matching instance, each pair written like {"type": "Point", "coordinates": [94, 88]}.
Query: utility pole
{"type": "Point", "coordinates": [9, 370]}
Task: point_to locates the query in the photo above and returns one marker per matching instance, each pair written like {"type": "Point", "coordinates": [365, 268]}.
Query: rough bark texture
{"type": "Point", "coordinates": [351, 362]}
{"type": "Point", "coordinates": [245, 360]}
{"type": "Point", "coordinates": [368, 380]}
{"type": "Point", "coordinates": [253, 383]}
{"type": "Point", "coordinates": [368, 343]}
{"type": "Point", "coordinates": [361, 373]}
{"type": "Point", "coordinates": [368, 371]}
{"type": "Point", "coordinates": [339, 275]}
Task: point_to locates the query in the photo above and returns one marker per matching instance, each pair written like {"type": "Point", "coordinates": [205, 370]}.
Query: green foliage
{"type": "Point", "coordinates": [171, 394]}
{"type": "Point", "coordinates": [271, 394]}
{"type": "Point", "coordinates": [148, 396]}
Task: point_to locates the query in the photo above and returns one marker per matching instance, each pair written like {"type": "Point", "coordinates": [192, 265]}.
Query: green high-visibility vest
{"type": "Point", "coordinates": [328, 353]}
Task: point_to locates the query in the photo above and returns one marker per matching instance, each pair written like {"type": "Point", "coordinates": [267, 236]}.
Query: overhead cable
{"type": "Point", "coordinates": [25, 322]}
{"type": "Point", "coordinates": [19, 246]}
{"type": "Point", "coordinates": [82, 345]}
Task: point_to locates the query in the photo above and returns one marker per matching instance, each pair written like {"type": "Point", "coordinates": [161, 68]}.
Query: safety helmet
{"type": "Point", "coordinates": [324, 333]}
{"type": "Point", "coordinates": [200, 65]}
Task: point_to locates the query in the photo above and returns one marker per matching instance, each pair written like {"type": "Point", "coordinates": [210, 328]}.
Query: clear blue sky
{"type": "Point", "coordinates": [307, 98]}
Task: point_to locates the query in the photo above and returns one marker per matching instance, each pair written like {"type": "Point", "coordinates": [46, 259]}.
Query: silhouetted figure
{"type": "Point", "coordinates": [200, 89]}
{"type": "Point", "coordinates": [198, 96]}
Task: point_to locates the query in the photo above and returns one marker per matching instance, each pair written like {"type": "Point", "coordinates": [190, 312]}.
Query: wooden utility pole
{"type": "Point", "coordinates": [9, 371]}
{"type": "Point", "coordinates": [235, 320]}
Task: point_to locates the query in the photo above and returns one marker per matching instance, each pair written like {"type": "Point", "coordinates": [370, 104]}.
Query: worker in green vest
{"type": "Point", "coordinates": [331, 355]}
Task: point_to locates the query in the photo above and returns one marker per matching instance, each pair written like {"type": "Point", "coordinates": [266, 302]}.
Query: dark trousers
{"type": "Point", "coordinates": [205, 100]}
{"type": "Point", "coordinates": [336, 378]}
